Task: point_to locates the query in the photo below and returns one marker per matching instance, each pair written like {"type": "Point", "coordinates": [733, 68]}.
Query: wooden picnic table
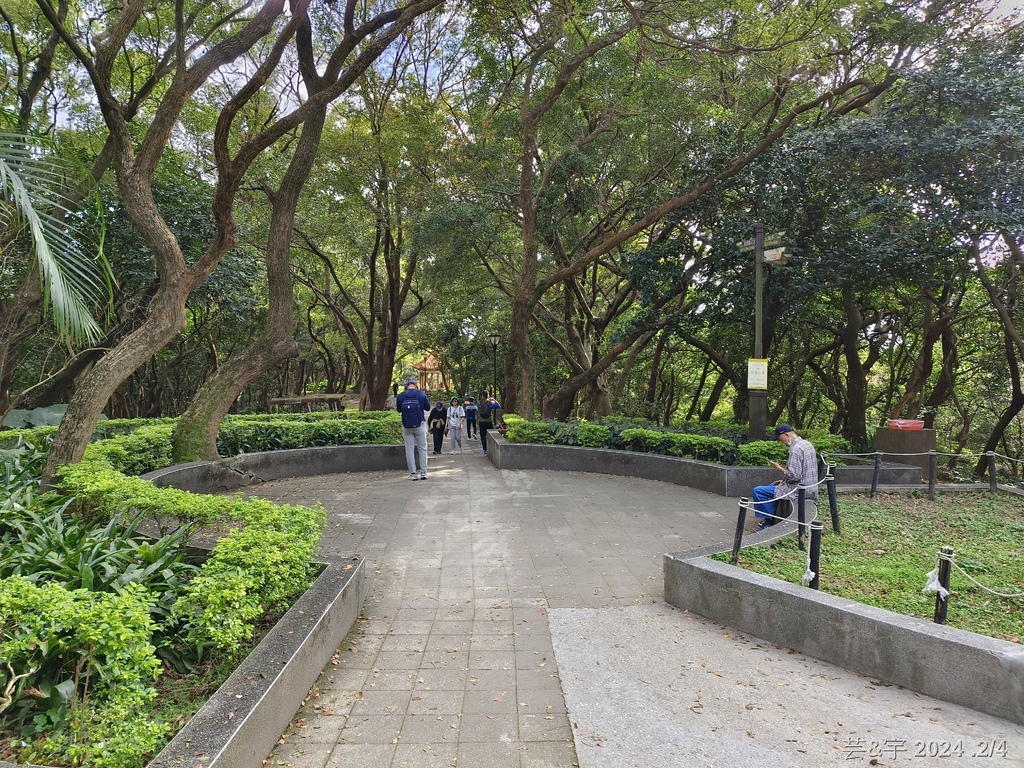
{"type": "Point", "coordinates": [306, 402]}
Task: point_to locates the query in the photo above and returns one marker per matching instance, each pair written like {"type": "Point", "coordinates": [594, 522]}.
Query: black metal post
{"type": "Point", "coordinates": [933, 470]}
{"type": "Point", "coordinates": [800, 527]}
{"type": "Point", "coordinates": [992, 485]}
{"type": "Point", "coordinates": [741, 521]}
{"type": "Point", "coordinates": [833, 502]}
{"type": "Point", "coordinates": [816, 528]}
{"type": "Point", "coordinates": [876, 474]}
{"type": "Point", "coordinates": [942, 604]}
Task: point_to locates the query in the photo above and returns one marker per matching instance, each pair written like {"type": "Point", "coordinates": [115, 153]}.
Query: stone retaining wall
{"type": "Point", "coordinates": [702, 475]}
{"type": "Point", "coordinates": [933, 659]}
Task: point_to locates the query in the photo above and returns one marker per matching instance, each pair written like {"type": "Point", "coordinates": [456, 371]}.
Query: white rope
{"type": "Point", "coordinates": [933, 586]}
{"type": "Point", "coordinates": [922, 453]}
{"type": "Point", "coordinates": [1008, 458]}
{"type": "Point", "coordinates": [983, 587]}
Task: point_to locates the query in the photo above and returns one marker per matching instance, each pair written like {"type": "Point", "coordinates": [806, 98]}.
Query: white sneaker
{"type": "Point", "coordinates": [453, 453]}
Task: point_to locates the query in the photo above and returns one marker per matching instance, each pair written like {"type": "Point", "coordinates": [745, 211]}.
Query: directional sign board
{"type": "Point", "coordinates": [771, 240]}
{"type": "Point", "coordinates": [774, 254]}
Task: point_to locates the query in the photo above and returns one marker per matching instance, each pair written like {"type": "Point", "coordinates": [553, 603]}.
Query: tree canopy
{"type": "Point", "coordinates": [296, 196]}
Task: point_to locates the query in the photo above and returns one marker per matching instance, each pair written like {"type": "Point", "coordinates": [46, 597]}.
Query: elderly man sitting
{"type": "Point", "coordinates": [801, 469]}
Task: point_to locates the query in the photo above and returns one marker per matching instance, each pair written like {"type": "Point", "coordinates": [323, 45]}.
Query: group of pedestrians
{"type": "Point", "coordinates": [457, 421]}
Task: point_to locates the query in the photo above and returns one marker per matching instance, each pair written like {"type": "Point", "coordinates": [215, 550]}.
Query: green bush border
{"type": "Point", "coordinates": [717, 442]}
{"type": "Point", "coordinates": [266, 557]}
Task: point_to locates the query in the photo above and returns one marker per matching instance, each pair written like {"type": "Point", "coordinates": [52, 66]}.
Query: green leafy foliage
{"type": "Point", "coordinates": [248, 435]}
{"type": "Point", "coordinates": [699, 447]}
{"type": "Point", "coordinates": [760, 452]}
{"type": "Point", "coordinates": [69, 548]}
{"type": "Point", "coordinates": [90, 657]}
{"type": "Point", "coordinates": [519, 430]}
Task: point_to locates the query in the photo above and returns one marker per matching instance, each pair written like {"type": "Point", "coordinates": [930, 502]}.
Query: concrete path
{"type": "Point", "coordinates": [515, 619]}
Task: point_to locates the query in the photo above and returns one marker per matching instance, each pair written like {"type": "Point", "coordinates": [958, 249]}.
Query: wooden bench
{"type": "Point", "coordinates": [334, 401]}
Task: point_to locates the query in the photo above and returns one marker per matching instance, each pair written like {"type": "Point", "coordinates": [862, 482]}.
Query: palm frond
{"type": "Point", "coordinates": [72, 278]}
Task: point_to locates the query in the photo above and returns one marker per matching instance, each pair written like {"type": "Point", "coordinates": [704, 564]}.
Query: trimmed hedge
{"type": "Point", "coordinates": [719, 442]}
{"type": "Point", "coordinates": [110, 637]}
{"type": "Point", "coordinates": [248, 571]}
{"type": "Point", "coordinates": [247, 433]}
{"type": "Point", "coordinates": [700, 447]}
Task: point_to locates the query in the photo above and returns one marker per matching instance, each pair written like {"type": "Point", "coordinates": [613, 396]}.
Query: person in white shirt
{"type": "Point", "coordinates": [456, 418]}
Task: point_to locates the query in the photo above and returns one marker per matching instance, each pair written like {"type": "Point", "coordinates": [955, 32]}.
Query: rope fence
{"type": "Point", "coordinates": [933, 457]}
{"type": "Point", "coordinates": [937, 580]}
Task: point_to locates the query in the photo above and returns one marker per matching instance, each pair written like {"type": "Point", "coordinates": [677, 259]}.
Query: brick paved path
{"type": "Point", "coordinates": [479, 577]}
{"type": "Point", "coordinates": [452, 660]}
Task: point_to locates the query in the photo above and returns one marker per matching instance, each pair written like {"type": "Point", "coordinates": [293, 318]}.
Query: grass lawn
{"type": "Point", "coordinates": [889, 544]}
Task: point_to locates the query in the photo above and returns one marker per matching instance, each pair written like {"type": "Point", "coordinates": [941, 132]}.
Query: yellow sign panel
{"type": "Point", "coordinates": [757, 374]}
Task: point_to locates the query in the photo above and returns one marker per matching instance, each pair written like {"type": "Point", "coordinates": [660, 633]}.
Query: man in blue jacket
{"type": "Point", "coordinates": [413, 405]}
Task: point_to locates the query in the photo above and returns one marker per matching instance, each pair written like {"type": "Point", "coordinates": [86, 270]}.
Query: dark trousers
{"type": "Point", "coordinates": [484, 426]}
{"type": "Point", "coordinates": [438, 439]}
{"type": "Point", "coordinates": [470, 427]}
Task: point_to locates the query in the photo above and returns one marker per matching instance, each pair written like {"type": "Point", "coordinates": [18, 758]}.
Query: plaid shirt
{"type": "Point", "coordinates": [801, 469]}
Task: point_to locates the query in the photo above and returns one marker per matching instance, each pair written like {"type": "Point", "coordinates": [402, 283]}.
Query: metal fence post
{"type": "Point", "coordinates": [875, 474]}
{"type": "Point", "coordinates": [741, 521]}
{"type": "Point", "coordinates": [992, 485]}
{"type": "Point", "coordinates": [933, 464]}
{"type": "Point", "coordinates": [816, 528]}
{"type": "Point", "coordinates": [942, 604]}
{"type": "Point", "coordinates": [833, 503]}
{"type": "Point", "coordinates": [800, 527]}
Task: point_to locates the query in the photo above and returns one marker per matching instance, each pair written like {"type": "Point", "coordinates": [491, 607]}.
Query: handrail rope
{"type": "Point", "coordinates": [922, 453]}
{"type": "Point", "coordinates": [751, 503]}
{"type": "Point", "coordinates": [933, 580]}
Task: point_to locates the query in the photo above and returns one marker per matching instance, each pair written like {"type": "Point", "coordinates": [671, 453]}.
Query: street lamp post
{"type": "Point", "coordinates": [758, 397]}
{"type": "Point", "coordinates": [495, 338]}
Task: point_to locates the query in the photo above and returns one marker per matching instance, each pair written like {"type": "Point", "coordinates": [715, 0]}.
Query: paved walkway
{"type": "Point", "coordinates": [514, 618]}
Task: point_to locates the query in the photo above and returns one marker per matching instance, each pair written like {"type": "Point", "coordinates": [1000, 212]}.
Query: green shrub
{"type": "Point", "coordinates": [49, 546]}
{"type": "Point", "coordinates": [760, 452]}
{"type": "Point", "coordinates": [724, 428]}
{"type": "Point", "coordinates": [594, 435]}
{"type": "Point", "coordinates": [144, 450]}
{"type": "Point", "coordinates": [698, 447]}
{"type": "Point", "coordinates": [250, 435]}
{"type": "Point", "coordinates": [281, 535]}
{"type": "Point", "coordinates": [88, 660]}
{"type": "Point", "coordinates": [522, 431]}
{"type": "Point", "coordinates": [826, 442]}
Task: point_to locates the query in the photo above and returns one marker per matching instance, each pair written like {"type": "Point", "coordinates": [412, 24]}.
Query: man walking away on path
{"type": "Point", "coordinates": [801, 469]}
{"type": "Point", "coordinates": [487, 417]}
{"type": "Point", "coordinates": [413, 405]}
{"type": "Point", "coordinates": [456, 414]}
{"type": "Point", "coordinates": [471, 409]}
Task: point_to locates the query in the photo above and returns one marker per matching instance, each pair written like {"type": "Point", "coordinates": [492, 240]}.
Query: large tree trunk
{"type": "Point", "coordinates": [1009, 413]}
{"type": "Point", "coordinates": [856, 375]}
{"type": "Point", "coordinates": [195, 437]}
{"type": "Point", "coordinates": [166, 318]}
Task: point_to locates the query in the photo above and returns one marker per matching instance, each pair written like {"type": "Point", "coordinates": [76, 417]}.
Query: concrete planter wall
{"type": "Point", "coordinates": [947, 663]}
{"type": "Point", "coordinates": [248, 468]}
{"type": "Point", "coordinates": [242, 722]}
{"type": "Point", "coordinates": [702, 475]}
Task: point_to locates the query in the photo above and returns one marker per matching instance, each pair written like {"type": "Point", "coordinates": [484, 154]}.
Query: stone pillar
{"type": "Point", "coordinates": [898, 441]}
